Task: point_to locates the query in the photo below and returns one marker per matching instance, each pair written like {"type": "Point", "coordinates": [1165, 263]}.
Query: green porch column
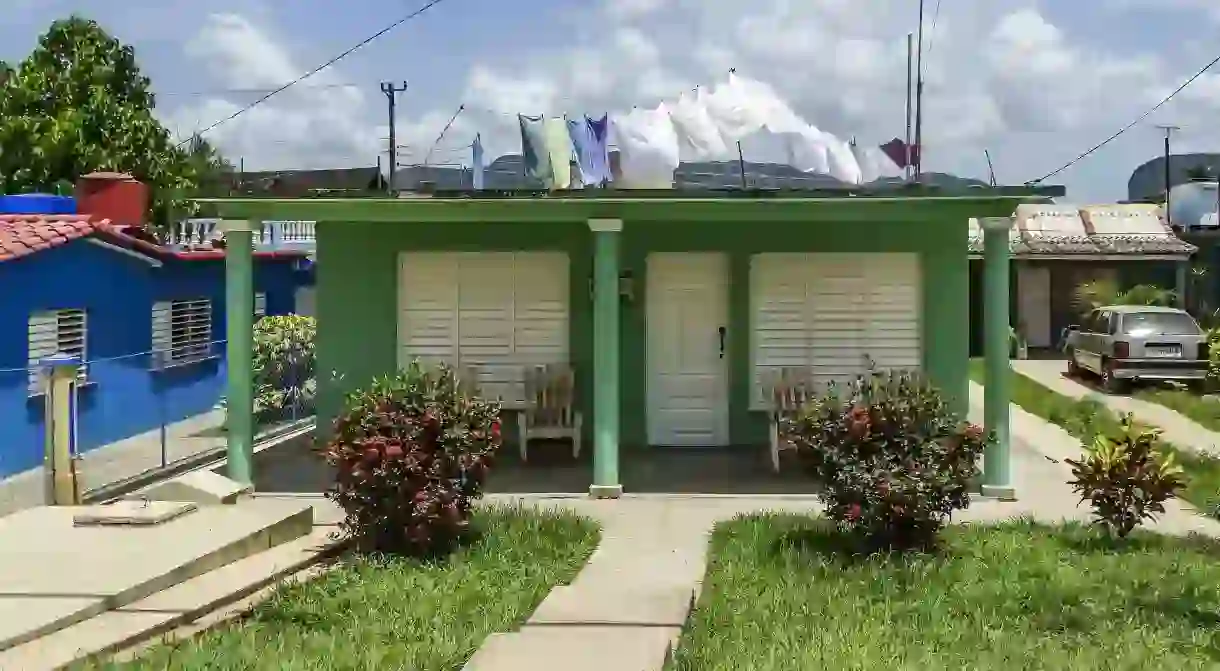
{"type": "Point", "coordinates": [997, 460]}
{"type": "Point", "coordinates": [606, 398]}
{"type": "Point", "coordinates": [239, 318]}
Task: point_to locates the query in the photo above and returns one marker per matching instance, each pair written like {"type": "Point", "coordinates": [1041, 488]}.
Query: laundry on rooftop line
{"type": "Point", "coordinates": [700, 125]}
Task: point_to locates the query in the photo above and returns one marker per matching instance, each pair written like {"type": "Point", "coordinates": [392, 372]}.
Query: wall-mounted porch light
{"type": "Point", "coordinates": [626, 287]}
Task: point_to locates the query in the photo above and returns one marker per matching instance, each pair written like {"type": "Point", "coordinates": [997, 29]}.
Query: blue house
{"type": "Point", "coordinates": [147, 318]}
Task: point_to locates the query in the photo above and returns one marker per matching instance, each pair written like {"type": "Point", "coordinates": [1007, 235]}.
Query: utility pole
{"type": "Point", "coordinates": [1169, 131]}
{"type": "Point", "coordinates": [391, 91]}
{"type": "Point", "coordinates": [919, 97]}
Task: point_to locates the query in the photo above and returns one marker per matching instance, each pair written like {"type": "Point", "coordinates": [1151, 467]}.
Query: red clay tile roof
{"type": "Point", "coordinates": [23, 234]}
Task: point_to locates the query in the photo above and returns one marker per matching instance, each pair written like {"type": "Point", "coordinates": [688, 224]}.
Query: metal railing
{"type": "Point", "coordinates": [135, 415]}
{"type": "Point", "coordinates": [272, 235]}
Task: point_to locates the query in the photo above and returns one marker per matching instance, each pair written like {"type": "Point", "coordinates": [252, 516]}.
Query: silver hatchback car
{"type": "Point", "coordinates": [1128, 343]}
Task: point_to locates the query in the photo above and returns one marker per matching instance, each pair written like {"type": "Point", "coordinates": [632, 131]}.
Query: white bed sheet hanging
{"type": "Point", "coordinates": [699, 138]}
{"type": "Point", "coordinates": [647, 147]}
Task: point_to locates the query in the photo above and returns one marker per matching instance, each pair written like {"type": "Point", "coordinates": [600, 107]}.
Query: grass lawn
{"type": "Point", "coordinates": [1084, 419]}
{"type": "Point", "coordinates": [396, 613]}
{"type": "Point", "coordinates": [1203, 411]}
{"type": "Point", "coordinates": [780, 595]}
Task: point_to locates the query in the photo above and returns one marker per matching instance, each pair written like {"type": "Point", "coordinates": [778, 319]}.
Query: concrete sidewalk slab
{"type": "Point", "coordinates": [71, 573]}
{"type": "Point", "coordinates": [577, 648]}
{"type": "Point", "coordinates": [612, 604]}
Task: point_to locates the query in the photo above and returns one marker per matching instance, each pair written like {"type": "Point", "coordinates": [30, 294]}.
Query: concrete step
{"type": "Point", "coordinates": [195, 601]}
{"type": "Point", "coordinates": [54, 574]}
{"type": "Point", "coordinates": [561, 648]}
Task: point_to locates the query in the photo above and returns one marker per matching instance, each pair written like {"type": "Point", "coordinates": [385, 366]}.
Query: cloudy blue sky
{"type": "Point", "coordinates": [1035, 82]}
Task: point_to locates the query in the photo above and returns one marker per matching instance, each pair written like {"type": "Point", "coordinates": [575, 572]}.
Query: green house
{"type": "Point", "coordinates": [669, 308]}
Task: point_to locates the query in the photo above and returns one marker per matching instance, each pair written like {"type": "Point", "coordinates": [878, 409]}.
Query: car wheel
{"type": "Point", "coordinates": [1198, 387]}
{"type": "Point", "coordinates": [1111, 384]}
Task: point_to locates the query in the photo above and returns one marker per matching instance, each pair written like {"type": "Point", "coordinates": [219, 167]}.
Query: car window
{"type": "Point", "coordinates": [1159, 323]}
{"type": "Point", "coordinates": [1091, 322]}
{"type": "Point", "coordinates": [1100, 322]}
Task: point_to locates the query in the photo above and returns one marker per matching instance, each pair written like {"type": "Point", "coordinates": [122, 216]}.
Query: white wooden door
{"type": "Point", "coordinates": [687, 308]}
{"type": "Point", "coordinates": [1034, 304]}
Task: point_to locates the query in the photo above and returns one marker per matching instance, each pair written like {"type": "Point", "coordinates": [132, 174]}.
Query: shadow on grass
{"type": "Point", "coordinates": [819, 536]}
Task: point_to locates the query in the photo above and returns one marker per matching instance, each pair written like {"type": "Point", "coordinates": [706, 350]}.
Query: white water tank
{"type": "Point", "coordinates": [1194, 205]}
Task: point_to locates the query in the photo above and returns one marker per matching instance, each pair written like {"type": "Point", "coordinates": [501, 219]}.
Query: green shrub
{"type": "Point", "coordinates": [1126, 478]}
{"type": "Point", "coordinates": [891, 460]}
{"type": "Point", "coordinates": [411, 453]}
{"type": "Point", "coordinates": [1213, 355]}
{"type": "Point", "coordinates": [284, 363]}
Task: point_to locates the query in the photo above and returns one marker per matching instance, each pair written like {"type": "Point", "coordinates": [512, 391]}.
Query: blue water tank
{"type": "Point", "coordinates": [1193, 205]}
{"type": "Point", "coordinates": [37, 203]}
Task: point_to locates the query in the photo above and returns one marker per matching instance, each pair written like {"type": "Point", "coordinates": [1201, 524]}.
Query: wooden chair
{"type": "Point", "coordinates": [787, 390]}
{"type": "Point", "coordinates": [468, 380]}
{"type": "Point", "coordinates": [550, 407]}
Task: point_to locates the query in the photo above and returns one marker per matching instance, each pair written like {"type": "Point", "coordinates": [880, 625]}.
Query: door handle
{"type": "Point", "coordinates": [722, 330]}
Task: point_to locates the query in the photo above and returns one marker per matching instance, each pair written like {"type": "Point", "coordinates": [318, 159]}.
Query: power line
{"type": "Point", "coordinates": [444, 130]}
{"type": "Point", "coordinates": [336, 59]}
{"type": "Point", "coordinates": [242, 91]}
{"type": "Point", "coordinates": [1129, 126]}
{"type": "Point", "coordinates": [932, 29]}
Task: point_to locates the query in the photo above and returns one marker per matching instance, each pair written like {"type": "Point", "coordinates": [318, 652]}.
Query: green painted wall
{"type": "Point", "coordinates": [357, 298]}
{"type": "Point", "coordinates": [357, 301]}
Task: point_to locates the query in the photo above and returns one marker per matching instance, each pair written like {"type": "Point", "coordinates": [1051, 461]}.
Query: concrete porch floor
{"type": "Point", "coordinates": [741, 470]}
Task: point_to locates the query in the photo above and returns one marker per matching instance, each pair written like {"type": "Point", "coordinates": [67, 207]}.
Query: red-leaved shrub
{"type": "Point", "coordinates": [891, 460]}
{"type": "Point", "coordinates": [411, 453]}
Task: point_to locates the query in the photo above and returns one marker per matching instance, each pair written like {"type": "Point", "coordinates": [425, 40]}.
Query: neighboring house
{"type": "Point", "coordinates": [302, 183]}
{"type": "Point", "coordinates": [145, 316]}
{"type": "Point", "coordinates": [676, 305]}
{"type": "Point", "coordinates": [1056, 248]}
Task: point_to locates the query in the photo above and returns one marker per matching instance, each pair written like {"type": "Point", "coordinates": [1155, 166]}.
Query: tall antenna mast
{"type": "Point", "coordinates": [907, 164]}
{"type": "Point", "coordinates": [990, 167]}
{"type": "Point", "coordinates": [1168, 130]}
{"type": "Point", "coordinates": [919, 97]}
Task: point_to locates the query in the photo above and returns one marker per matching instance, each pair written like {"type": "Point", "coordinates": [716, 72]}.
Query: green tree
{"type": "Point", "coordinates": [78, 104]}
{"type": "Point", "coordinates": [214, 173]}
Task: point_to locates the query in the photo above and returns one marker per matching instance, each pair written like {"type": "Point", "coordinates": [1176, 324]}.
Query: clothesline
{"type": "Point", "coordinates": [697, 125]}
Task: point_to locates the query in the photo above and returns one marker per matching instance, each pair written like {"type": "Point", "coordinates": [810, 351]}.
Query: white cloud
{"type": "Point", "coordinates": [318, 123]}
{"type": "Point", "coordinates": [999, 74]}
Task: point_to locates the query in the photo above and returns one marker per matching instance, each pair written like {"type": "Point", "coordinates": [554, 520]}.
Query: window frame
{"type": "Point", "coordinates": [260, 305]}
{"type": "Point", "coordinates": [75, 346]}
{"type": "Point", "coordinates": [182, 332]}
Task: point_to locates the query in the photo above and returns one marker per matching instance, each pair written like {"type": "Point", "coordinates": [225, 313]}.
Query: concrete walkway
{"type": "Point", "coordinates": [626, 609]}
{"type": "Point", "coordinates": [1177, 428]}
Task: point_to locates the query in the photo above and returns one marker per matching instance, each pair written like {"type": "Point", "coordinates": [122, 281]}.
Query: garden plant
{"type": "Point", "coordinates": [891, 460]}
{"type": "Point", "coordinates": [411, 453]}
